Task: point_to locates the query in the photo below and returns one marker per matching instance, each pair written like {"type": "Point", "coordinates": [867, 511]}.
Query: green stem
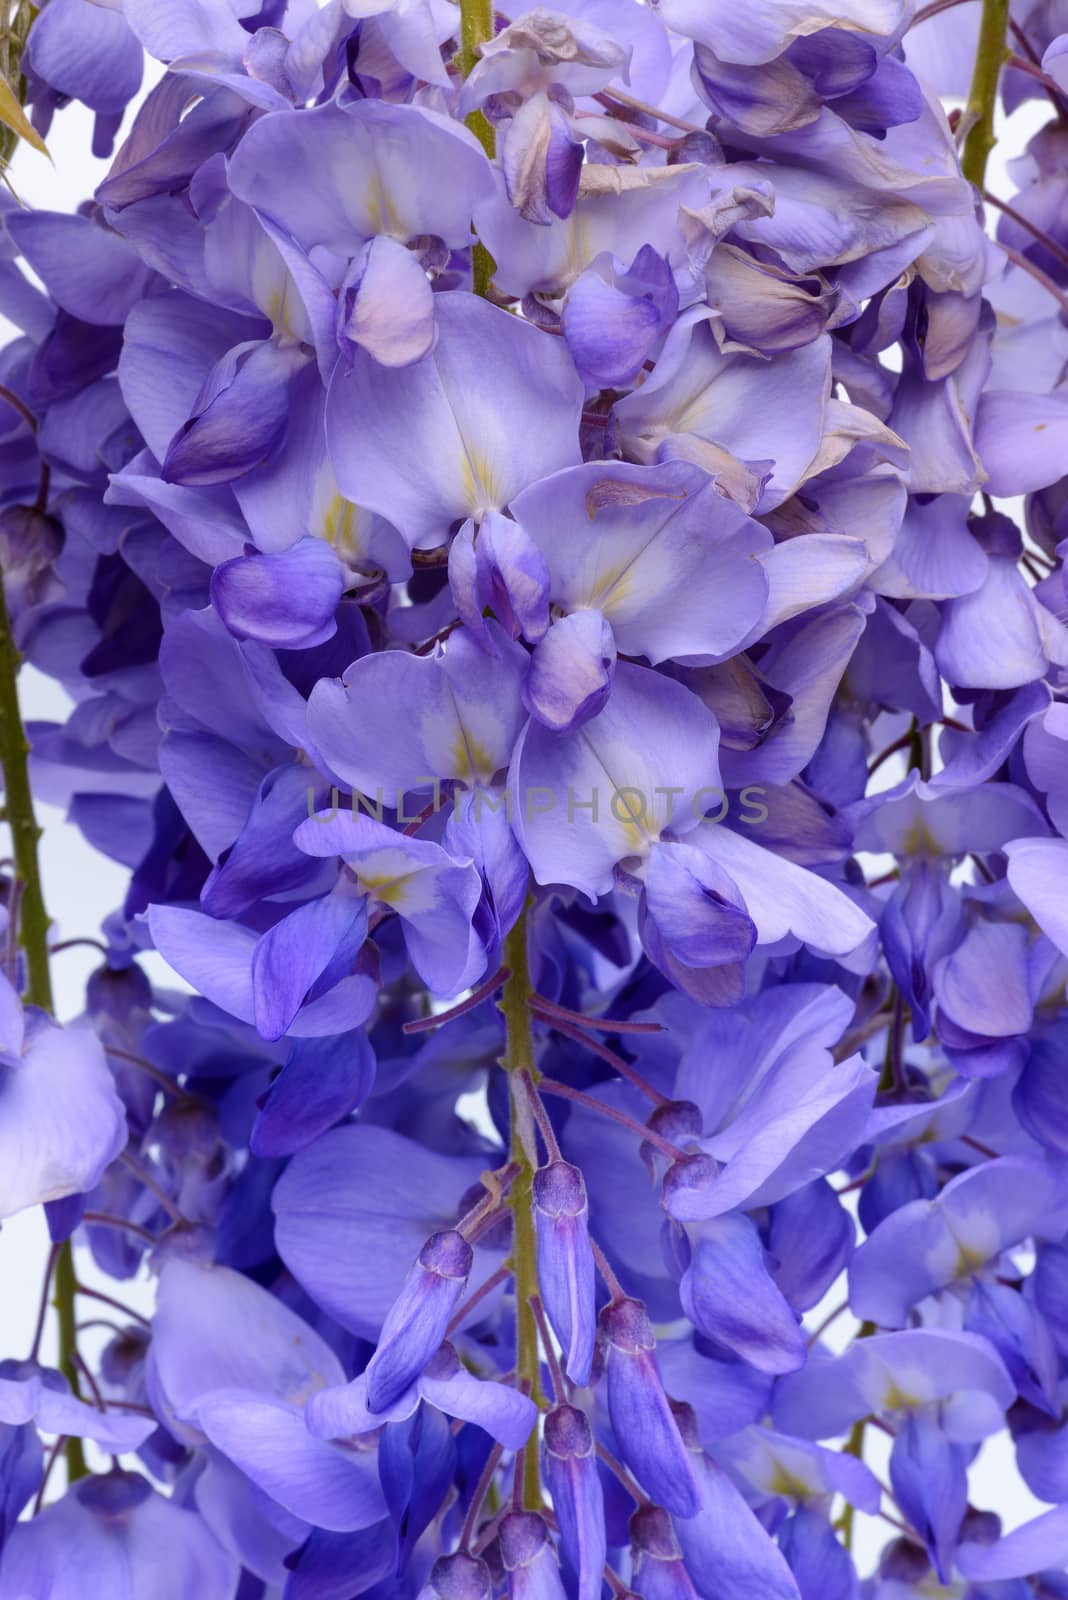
{"type": "Point", "coordinates": [18, 804]}
{"type": "Point", "coordinates": [890, 1077]}
{"type": "Point", "coordinates": [854, 1446]}
{"type": "Point", "coordinates": [519, 1058]}
{"type": "Point", "coordinates": [476, 25]}
{"type": "Point", "coordinates": [63, 1301]}
{"type": "Point", "coordinates": [34, 921]}
{"type": "Point", "coordinates": [982, 98]}
{"type": "Point", "coordinates": [33, 928]}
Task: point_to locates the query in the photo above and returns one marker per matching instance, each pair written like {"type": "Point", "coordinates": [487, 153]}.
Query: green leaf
{"type": "Point", "coordinates": [12, 116]}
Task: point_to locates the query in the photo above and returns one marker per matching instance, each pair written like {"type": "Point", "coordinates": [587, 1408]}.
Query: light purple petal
{"type": "Point", "coordinates": [730, 1296]}
{"type": "Point", "coordinates": [494, 407]}
{"type": "Point", "coordinates": [1022, 439]}
{"type": "Point", "coordinates": [785, 900]}
{"type": "Point", "coordinates": [762, 31]}
{"type": "Point", "coordinates": [928, 1245]}
{"type": "Point", "coordinates": [215, 957]}
{"type": "Point", "coordinates": [613, 318]}
{"type": "Point", "coordinates": [172, 28]}
{"type": "Point", "coordinates": [792, 1132]}
{"type": "Point", "coordinates": [338, 176]}
{"type": "Point", "coordinates": [983, 985]}
{"type": "Point", "coordinates": [88, 53]}
{"type": "Point", "coordinates": [342, 1411]}
{"type": "Point", "coordinates": [88, 270]}
{"type": "Point", "coordinates": [396, 721]}
{"type": "Point", "coordinates": [890, 1372]}
{"type": "Point", "coordinates": [57, 1411]}
{"type": "Point", "coordinates": [285, 600]}
{"type": "Point", "coordinates": [1038, 872]}
{"type": "Point", "coordinates": [758, 412]}
{"type": "Point", "coordinates": [1040, 1545]}
{"type": "Point", "coordinates": [388, 304]}
{"type": "Point", "coordinates": [391, 1192]}
{"type": "Point", "coordinates": [240, 424]}
{"type": "Point", "coordinates": [170, 344]}
{"type": "Point", "coordinates": [292, 956]}
{"type": "Point", "coordinates": [725, 1544]}
{"type": "Point", "coordinates": [993, 636]}
{"type": "Point", "coordinates": [570, 675]}
{"type": "Point", "coordinates": [215, 1328]}
{"type": "Point", "coordinates": [316, 1481]}
{"type": "Point", "coordinates": [658, 551]}
{"type": "Point", "coordinates": [506, 1414]}
{"type": "Point", "coordinates": [60, 1087]}
{"type": "Point", "coordinates": [585, 800]}
{"type": "Point", "coordinates": [697, 907]}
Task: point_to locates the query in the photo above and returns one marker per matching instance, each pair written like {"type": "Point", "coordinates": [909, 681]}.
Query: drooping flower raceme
{"type": "Point", "coordinates": [526, 506]}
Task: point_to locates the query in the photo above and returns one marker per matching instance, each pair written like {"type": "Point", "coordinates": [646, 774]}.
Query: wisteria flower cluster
{"type": "Point", "coordinates": [553, 524]}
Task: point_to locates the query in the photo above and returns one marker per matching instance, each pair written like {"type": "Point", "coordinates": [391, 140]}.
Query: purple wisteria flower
{"type": "Point", "coordinates": [551, 525]}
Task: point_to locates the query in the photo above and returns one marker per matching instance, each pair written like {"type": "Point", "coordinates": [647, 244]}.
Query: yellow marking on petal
{"type": "Point", "coordinates": [389, 883]}
{"type": "Point", "coordinates": [895, 1399]}
{"type": "Point", "coordinates": [637, 835]}
{"type": "Point", "coordinates": [471, 761]}
{"type": "Point", "coordinates": [613, 588]}
{"type": "Point", "coordinates": [919, 841]}
{"type": "Point", "coordinates": [480, 486]}
{"type": "Point", "coordinates": [339, 526]}
{"type": "Point", "coordinates": [688, 417]}
{"type": "Point", "coordinates": [969, 1260]}
{"type": "Point", "coordinates": [390, 891]}
{"type": "Point", "coordinates": [381, 214]}
{"type": "Point", "coordinates": [284, 310]}
{"type": "Point", "coordinates": [786, 1483]}
{"type": "Point", "coordinates": [393, 878]}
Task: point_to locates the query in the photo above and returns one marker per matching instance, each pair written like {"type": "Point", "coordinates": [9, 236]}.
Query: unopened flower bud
{"type": "Point", "coordinates": [30, 541]}
{"type": "Point", "coordinates": [659, 1570]}
{"type": "Point", "coordinates": [686, 1188]}
{"type": "Point", "coordinates": [529, 1558]}
{"type": "Point", "coordinates": [578, 1499]}
{"type": "Point", "coordinates": [566, 1274]}
{"type": "Point", "coordinates": [646, 1432]}
{"type": "Point", "coordinates": [678, 1121]}
{"type": "Point", "coordinates": [416, 1322]}
{"type": "Point", "coordinates": [458, 1577]}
